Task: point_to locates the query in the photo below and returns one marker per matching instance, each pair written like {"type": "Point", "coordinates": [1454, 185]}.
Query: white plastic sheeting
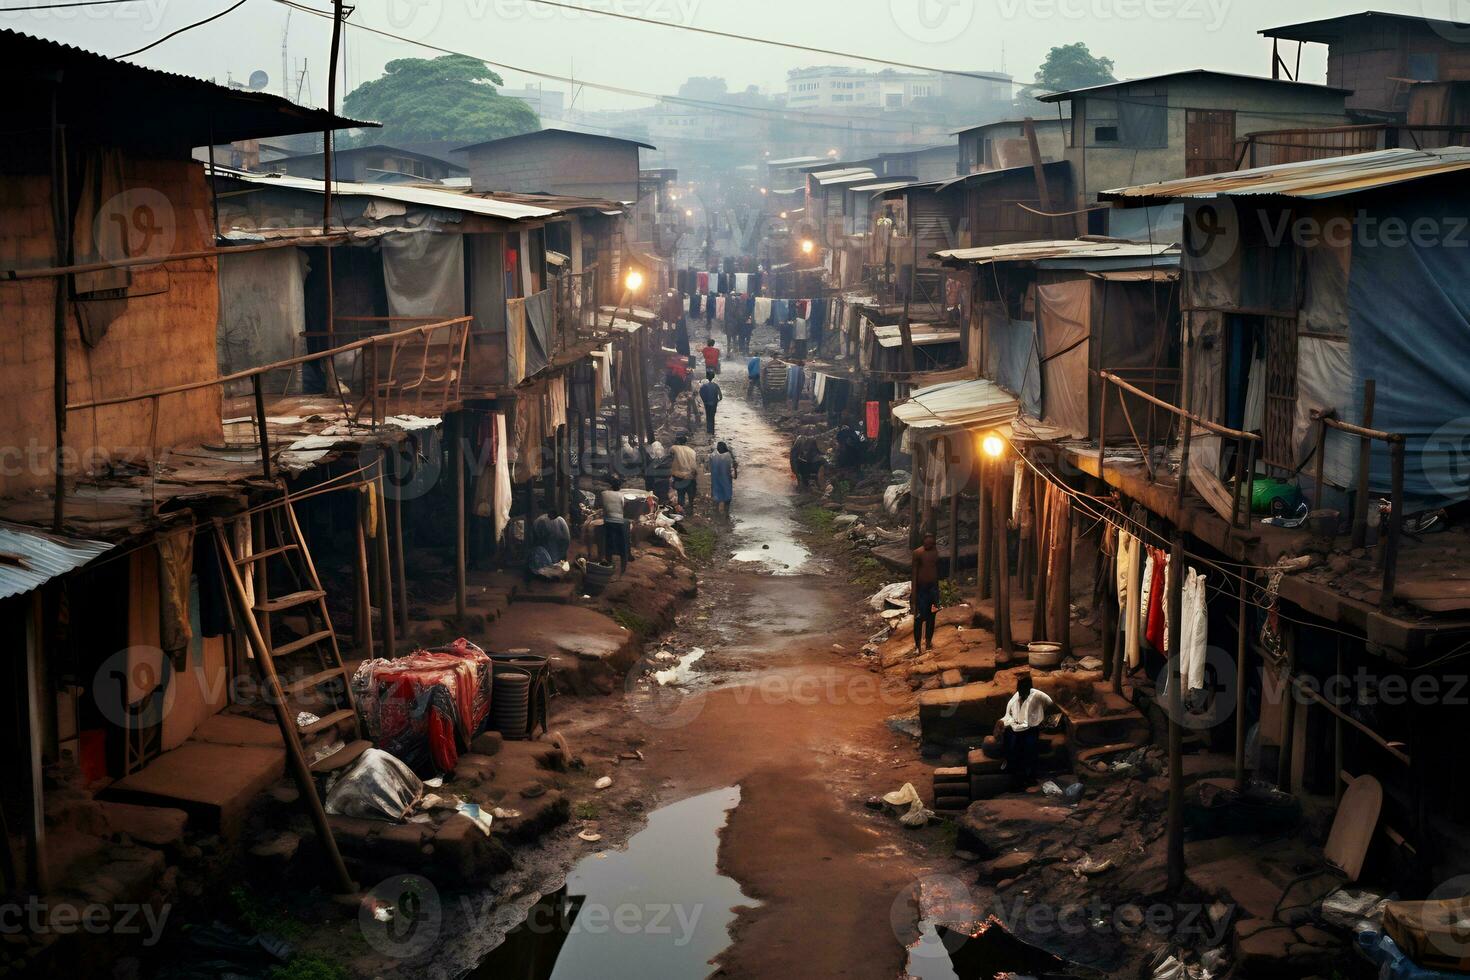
{"type": "Point", "coordinates": [262, 312]}
{"type": "Point", "coordinates": [1325, 381]}
{"type": "Point", "coordinates": [1064, 315]}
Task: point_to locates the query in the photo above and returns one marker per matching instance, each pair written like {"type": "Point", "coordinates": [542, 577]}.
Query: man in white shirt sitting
{"type": "Point", "coordinates": [1019, 730]}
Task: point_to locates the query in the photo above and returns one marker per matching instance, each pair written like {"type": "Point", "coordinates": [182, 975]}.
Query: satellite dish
{"type": "Point", "coordinates": [259, 80]}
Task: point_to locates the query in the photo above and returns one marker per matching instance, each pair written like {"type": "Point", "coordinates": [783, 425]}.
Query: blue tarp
{"type": "Point", "coordinates": [1409, 321]}
{"type": "Point", "coordinates": [1018, 364]}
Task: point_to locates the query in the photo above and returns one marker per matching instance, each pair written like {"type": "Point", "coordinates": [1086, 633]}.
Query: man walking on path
{"type": "Point", "coordinates": [710, 394]}
{"type": "Point", "coordinates": [924, 594]}
{"type": "Point", "coordinates": [685, 471]}
{"type": "Point", "coordinates": [615, 526]}
{"type": "Point", "coordinates": [723, 470]}
{"type": "Point", "coordinates": [752, 376]}
{"type": "Point", "coordinates": [711, 357]}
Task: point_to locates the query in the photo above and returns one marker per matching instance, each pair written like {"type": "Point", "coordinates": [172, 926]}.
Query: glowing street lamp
{"type": "Point", "coordinates": [808, 246]}
{"type": "Point", "coordinates": [993, 445]}
{"type": "Point", "coordinates": [634, 281]}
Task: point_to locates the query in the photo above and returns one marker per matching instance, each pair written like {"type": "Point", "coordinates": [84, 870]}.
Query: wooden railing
{"type": "Point", "coordinates": [1246, 443]}
{"type": "Point", "coordinates": [1389, 554]}
{"type": "Point", "coordinates": [1275, 147]}
{"type": "Point", "coordinates": [396, 370]}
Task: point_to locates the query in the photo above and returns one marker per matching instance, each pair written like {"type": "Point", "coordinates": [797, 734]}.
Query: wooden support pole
{"type": "Point", "coordinates": [1338, 762]}
{"type": "Point", "coordinates": [1395, 524]}
{"type": "Point", "coordinates": [916, 490]}
{"type": "Point", "coordinates": [364, 631]}
{"type": "Point", "coordinates": [1319, 464]}
{"type": "Point", "coordinates": [1242, 636]}
{"type": "Point", "coordinates": [1174, 597]}
{"type": "Point", "coordinates": [38, 870]}
{"type": "Point", "coordinates": [982, 545]}
{"type": "Point", "coordinates": [262, 431]}
{"type": "Point", "coordinates": [456, 461]}
{"type": "Point", "coordinates": [398, 545]}
{"type": "Point", "coordinates": [1365, 446]}
{"type": "Point", "coordinates": [1061, 590]}
{"type": "Point", "coordinates": [1288, 712]}
{"type": "Point", "coordinates": [385, 564]}
{"type": "Point", "coordinates": [1043, 519]}
{"type": "Point", "coordinates": [954, 538]}
{"type": "Point", "coordinates": [1000, 509]}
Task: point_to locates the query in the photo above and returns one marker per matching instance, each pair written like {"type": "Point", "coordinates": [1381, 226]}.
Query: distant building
{"type": "Point", "coordinates": [999, 145]}
{"type": "Point", "coordinates": [1380, 57]}
{"type": "Point", "coordinates": [1181, 124]}
{"type": "Point", "coordinates": [557, 161]}
{"type": "Point", "coordinates": [549, 104]}
{"type": "Point", "coordinates": [378, 163]}
{"type": "Point", "coordinates": [828, 87]}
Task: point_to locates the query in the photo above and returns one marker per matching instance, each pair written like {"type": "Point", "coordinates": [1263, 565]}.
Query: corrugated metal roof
{"type": "Point", "coordinates": [1195, 72]}
{"type": "Point", "coordinates": [30, 558]}
{"type": "Point", "coordinates": [451, 199]}
{"type": "Point", "coordinates": [1073, 248]}
{"type": "Point", "coordinates": [974, 404]}
{"type": "Point", "coordinates": [1309, 179]}
{"type": "Point", "coordinates": [792, 161]}
{"type": "Point", "coordinates": [848, 175]}
{"type": "Point", "coordinates": [983, 176]}
{"type": "Point", "coordinates": [920, 334]}
{"type": "Point", "coordinates": [885, 186]}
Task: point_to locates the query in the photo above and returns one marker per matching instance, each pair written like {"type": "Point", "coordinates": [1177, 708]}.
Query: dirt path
{"type": "Point", "coordinates": [781, 707]}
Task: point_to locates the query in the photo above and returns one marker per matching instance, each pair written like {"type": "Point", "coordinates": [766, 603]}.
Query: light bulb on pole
{"type": "Point", "coordinates": [634, 281]}
{"type": "Point", "coordinates": [808, 246]}
{"type": "Point", "coordinates": [993, 445]}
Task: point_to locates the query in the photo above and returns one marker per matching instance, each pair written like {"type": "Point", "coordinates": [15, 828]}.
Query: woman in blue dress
{"type": "Point", "coordinates": [723, 470]}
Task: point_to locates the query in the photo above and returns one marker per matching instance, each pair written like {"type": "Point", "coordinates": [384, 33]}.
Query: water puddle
{"type": "Point", "coordinates": [945, 953]}
{"type": "Point", "coordinates": [660, 908]}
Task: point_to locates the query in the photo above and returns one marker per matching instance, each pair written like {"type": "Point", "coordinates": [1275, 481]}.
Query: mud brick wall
{"type": "Point", "coordinates": [165, 335]}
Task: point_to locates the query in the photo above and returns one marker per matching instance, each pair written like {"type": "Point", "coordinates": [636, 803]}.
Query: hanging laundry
{"type": "Point", "coordinates": [1155, 629]}
{"type": "Point", "coordinates": [762, 310]}
{"type": "Point", "coordinates": [800, 330]}
{"type": "Point", "coordinates": [1193, 631]}
{"type": "Point", "coordinates": [701, 282]}
{"type": "Point", "coordinates": [742, 282]}
{"type": "Point", "coordinates": [720, 302]}
{"type": "Point", "coordinates": [870, 417]}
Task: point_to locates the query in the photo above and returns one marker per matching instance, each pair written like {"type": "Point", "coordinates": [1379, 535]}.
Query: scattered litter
{"type": "Point", "coordinates": [326, 751]}
{"type": "Point", "coordinates": [434, 783]}
{"type": "Point", "coordinates": [305, 719]}
{"type": "Point", "coordinates": [383, 913]}
{"type": "Point", "coordinates": [378, 786]}
{"type": "Point", "coordinates": [481, 817]}
{"type": "Point", "coordinates": [1356, 909]}
{"type": "Point", "coordinates": [591, 837]}
{"type": "Point", "coordinates": [1090, 663]}
{"type": "Point", "coordinates": [502, 813]}
{"type": "Point", "coordinates": [679, 673]}
{"type": "Point", "coordinates": [670, 537]}
{"type": "Point", "coordinates": [917, 815]}
{"type": "Point", "coordinates": [430, 800]}
{"type": "Point", "coordinates": [603, 783]}
{"type": "Point", "coordinates": [420, 818]}
{"type": "Point", "coordinates": [904, 725]}
{"type": "Point", "coordinates": [1090, 866]}
{"type": "Point", "coordinates": [894, 595]}
{"type": "Point", "coordinates": [1051, 789]}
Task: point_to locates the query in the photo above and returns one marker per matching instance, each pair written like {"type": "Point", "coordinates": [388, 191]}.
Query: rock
{"type": "Point", "coordinates": [1008, 865]}
{"type": "Point", "coordinates": [151, 825]}
{"type": "Point", "coordinates": [280, 848]}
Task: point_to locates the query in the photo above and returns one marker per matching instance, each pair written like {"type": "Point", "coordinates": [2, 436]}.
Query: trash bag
{"type": "Point", "coordinates": [895, 594]}
{"type": "Point", "coordinates": [379, 786]}
{"type": "Point", "coordinates": [1349, 908]}
{"type": "Point", "coordinates": [917, 814]}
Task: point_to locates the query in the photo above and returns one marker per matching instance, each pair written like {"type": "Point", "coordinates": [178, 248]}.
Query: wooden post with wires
{"type": "Point", "coordinates": [1242, 635]}
{"type": "Point", "coordinates": [1175, 709]}
{"type": "Point", "coordinates": [330, 364]}
{"type": "Point", "coordinates": [456, 462]}
{"type": "Point", "coordinates": [398, 545]}
{"type": "Point", "coordinates": [982, 550]}
{"type": "Point", "coordinates": [363, 581]}
{"type": "Point", "coordinates": [1000, 511]}
{"type": "Point", "coordinates": [1365, 446]}
{"type": "Point", "coordinates": [385, 560]}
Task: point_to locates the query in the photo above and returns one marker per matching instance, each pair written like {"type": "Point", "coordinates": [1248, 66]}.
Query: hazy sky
{"type": "Point", "coordinates": [1142, 36]}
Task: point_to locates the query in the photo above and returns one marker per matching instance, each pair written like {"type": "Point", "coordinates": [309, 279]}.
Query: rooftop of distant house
{"type": "Point", "coordinates": [342, 152]}
{"type": "Point", "coordinates": [1332, 29]}
{"type": "Point", "coordinates": [553, 133]}
{"type": "Point", "coordinates": [1191, 73]}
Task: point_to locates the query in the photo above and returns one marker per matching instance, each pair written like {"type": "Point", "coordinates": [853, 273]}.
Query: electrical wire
{"type": "Point", "coordinates": [181, 30]}
{"type": "Point", "coordinates": [63, 6]}
{"type": "Point", "coordinates": [982, 76]}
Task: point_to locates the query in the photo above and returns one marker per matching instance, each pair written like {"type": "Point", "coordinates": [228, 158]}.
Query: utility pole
{"type": "Point", "coordinates": [330, 367]}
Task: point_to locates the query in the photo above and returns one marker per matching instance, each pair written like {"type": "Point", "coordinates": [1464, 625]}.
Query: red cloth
{"type": "Point", "coordinates": [442, 697]}
{"type": "Point", "coordinates": [678, 367]}
{"type": "Point", "coordinates": [873, 420]}
{"type": "Point", "coordinates": [711, 357]}
{"type": "Point", "coordinates": [1155, 631]}
{"type": "Point", "coordinates": [703, 282]}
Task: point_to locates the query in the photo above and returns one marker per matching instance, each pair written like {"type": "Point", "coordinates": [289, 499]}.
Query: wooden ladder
{"type": "Point", "coordinates": [314, 675]}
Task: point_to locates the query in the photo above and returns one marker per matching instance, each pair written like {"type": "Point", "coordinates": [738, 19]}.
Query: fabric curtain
{"type": "Point", "coordinates": [262, 312]}
{"type": "Point", "coordinates": [1064, 319]}
{"type": "Point", "coordinates": [424, 275]}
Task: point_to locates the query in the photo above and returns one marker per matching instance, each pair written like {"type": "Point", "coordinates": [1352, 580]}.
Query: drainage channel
{"type": "Point", "coordinates": [659, 908]}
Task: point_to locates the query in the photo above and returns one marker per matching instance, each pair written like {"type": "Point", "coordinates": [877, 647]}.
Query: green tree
{"type": "Point", "coordinates": [1072, 66]}
{"type": "Point", "coordinates": [447, 98]}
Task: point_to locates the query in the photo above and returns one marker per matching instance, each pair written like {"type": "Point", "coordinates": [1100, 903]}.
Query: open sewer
{"type": "Point", "coordinates": [659, 908]}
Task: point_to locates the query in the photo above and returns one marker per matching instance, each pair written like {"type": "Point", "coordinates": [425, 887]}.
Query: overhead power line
{"type": "Point", "coordinates": [189, 27]}
{"type": "Point", "coordinates": [774, 43]}
{"type": "Point", "coordinates": [63, 6]}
